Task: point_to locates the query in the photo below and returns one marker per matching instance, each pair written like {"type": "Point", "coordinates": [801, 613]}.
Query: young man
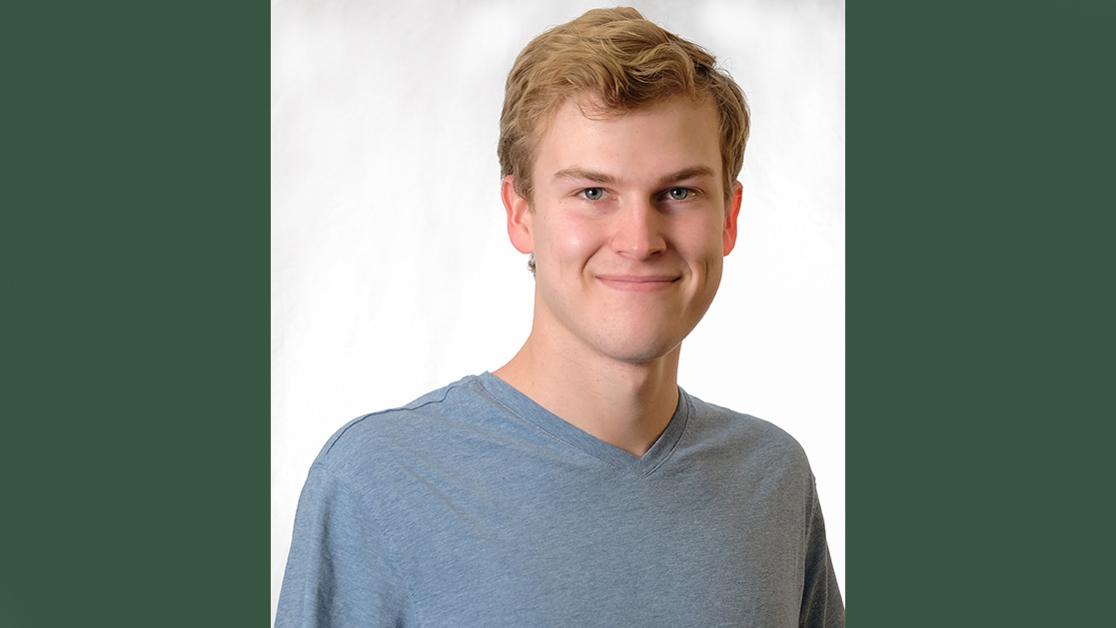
{"type": "Point", "coordinates": [578, 485]}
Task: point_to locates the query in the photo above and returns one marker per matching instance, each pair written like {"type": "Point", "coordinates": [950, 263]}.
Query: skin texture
{"type": "Point", "coordinates": [629, 226]}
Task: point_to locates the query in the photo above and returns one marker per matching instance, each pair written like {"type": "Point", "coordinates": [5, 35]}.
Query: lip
{"type": "Point", "coordinates": [639, 283]}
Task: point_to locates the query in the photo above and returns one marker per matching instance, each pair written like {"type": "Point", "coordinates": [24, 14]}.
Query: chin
{"type": "Point", "coordinates": [638, 350]}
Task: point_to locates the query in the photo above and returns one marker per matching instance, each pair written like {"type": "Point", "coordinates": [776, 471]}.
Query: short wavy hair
{"type": "Point", "coordinates": [625, 62]}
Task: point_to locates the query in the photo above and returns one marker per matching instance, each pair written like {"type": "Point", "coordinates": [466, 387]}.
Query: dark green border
{"type": "Point", "coordinates": [980, 220]}
{"type": "Point", "coordinates": [134, 239]}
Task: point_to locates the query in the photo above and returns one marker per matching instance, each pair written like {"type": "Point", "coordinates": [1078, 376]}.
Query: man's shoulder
{"type": "Point", "coordinates": [746, 435]}
{"type": "Point", "coordinates": [382, 437]}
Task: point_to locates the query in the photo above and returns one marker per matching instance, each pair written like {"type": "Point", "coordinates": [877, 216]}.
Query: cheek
{"type": "Point", "coordinates": [700, 240]}
{"type": "Point", "coordinates": [572, 241]}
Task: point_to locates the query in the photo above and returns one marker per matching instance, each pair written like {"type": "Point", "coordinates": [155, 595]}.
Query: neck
{"type": "Point", "coordinates": [626, 405]}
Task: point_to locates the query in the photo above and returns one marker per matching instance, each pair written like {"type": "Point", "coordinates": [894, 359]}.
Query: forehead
{"type": "Point", "coordinates": [664, 136]}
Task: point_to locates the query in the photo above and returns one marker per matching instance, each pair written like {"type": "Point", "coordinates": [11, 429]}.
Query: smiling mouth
{"type": "Point", "coordinates": [638, 283]}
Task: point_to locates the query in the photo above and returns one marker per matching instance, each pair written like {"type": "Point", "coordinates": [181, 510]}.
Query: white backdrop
{"type": "Point", "coordinates": [390, 266]}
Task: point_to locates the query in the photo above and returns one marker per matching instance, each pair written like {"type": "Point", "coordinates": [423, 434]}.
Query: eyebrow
{"type": "Point", "coordinates": [581, 173]}
{"type": "Point", "coordinates": [600, 177]}
{"type": "Point", "coordinates": [687, 173]}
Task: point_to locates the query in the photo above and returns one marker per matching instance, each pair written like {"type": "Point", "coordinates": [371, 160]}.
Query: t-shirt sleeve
{"type": "Point", "coordinates": [822, 605]}
{"type": "Point", "coordinates": [338, 571]}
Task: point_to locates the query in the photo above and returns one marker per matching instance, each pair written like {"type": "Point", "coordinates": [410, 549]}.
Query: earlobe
{"type": "Point", "coordinates": [732, 213]}
{"type": "Point", "coordinates": [519, 216]}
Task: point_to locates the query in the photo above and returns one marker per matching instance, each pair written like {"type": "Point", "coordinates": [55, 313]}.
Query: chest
{"type": "Point", "coordinates": [690, 549]}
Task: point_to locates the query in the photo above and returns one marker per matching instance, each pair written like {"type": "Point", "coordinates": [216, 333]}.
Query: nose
{"type": "Point", "coordinates": [638, 230]}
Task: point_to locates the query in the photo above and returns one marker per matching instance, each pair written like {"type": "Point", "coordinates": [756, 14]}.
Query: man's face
{"type": "Point", "coordinates": [628, 226]}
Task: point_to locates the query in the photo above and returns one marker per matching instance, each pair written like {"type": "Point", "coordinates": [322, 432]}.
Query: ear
{"type": "Point", "coordinates": [519, 216]}
{"type": "Point", "coordinates": [732, 213]}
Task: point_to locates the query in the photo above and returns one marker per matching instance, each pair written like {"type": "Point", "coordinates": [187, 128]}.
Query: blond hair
{"type": "Point", "coordinates": [625, 62]}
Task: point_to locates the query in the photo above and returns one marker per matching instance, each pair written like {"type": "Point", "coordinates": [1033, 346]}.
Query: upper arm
{"type": "Point", "coordinates": [821, 599]}
{"type": "Point", "coordinates": [339, 571]}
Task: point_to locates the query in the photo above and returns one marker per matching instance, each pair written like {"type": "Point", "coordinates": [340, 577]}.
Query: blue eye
{"type": "Point", "coordinates": [592, 194]}
{"type": "Point", "coordinates": [679, 194]}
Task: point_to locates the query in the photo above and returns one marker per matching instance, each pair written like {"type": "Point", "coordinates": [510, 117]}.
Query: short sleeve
{"type": "Point", "coordinates": [338, 571]}
{"type": "Point", "coordinates": [822, 605]}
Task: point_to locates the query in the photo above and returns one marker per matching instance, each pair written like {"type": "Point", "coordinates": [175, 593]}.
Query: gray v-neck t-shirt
{"type": "Point", "coordinates": [475, 506]}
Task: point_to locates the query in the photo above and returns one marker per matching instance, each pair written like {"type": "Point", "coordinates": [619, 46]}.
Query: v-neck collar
{"type": "Point", "coordinates": [526, 408]}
